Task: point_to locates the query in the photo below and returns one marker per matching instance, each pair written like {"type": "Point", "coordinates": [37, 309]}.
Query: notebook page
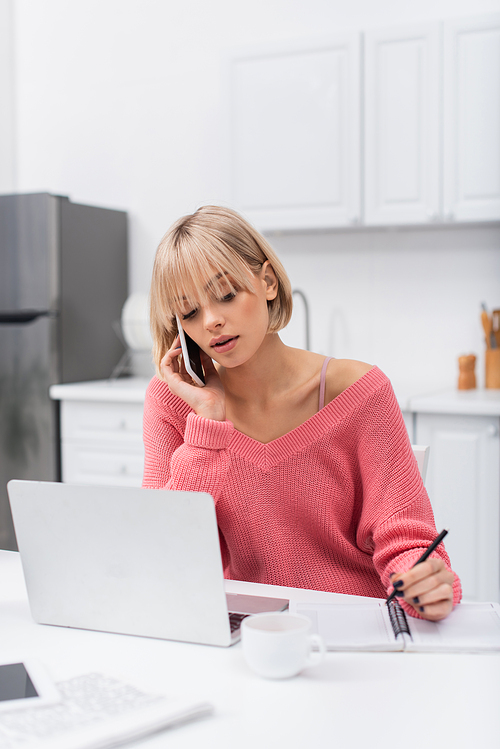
{"type": "Point", "coordinates": [351, 626]}
{"type": "Point", "coordinates": [470, 627]}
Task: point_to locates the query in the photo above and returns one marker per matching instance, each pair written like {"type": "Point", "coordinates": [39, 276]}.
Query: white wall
{"type": "Point", "coordinates": [407, 300]}
{"type": "Point", "coordinates": [122, 103]}
{"type": "Point", "coordinates": [7, 101]}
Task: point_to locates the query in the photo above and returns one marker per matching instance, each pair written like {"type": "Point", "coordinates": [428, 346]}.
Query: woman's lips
{"type": "Point", "coordinates": [224, 344]}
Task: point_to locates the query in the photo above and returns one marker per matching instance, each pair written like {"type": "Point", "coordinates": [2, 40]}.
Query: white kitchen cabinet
{"type": "Point", "coordinates": [472, 118]}
{"type": "Point", "coordinates": [402, 125]}
{"type": "Point", "coordinates": [463, 482]}
{"type": "Point", "coordinates": [425, 148]}
{"type": "Point", "coordinates": [295, 123]}
{"type": "Point", "coordinates": [101, 431]}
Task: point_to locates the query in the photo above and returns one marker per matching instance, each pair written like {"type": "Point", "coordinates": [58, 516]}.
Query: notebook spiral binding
{"type": "Point", "coordinates": [399, 622]}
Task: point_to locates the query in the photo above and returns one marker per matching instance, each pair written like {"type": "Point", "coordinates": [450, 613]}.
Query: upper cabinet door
{"type": "Point", "coordinates": [472, 119]}
{"type": "Point", "coordinates": [295, 122]}
{"type": "Point", "coordinates": [402, 125]}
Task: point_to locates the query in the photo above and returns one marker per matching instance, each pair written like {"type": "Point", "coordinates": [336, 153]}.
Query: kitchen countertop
{"type": "Point", "coordinates": [466, 402]}
{"type": "Point", "coordinates": [121, 390]}
{"type": "Point", "coordinates": [133, 390]}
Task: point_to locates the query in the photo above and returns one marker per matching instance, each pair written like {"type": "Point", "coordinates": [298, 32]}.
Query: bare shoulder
{"type": "Point", "coordinates": [341, 374]}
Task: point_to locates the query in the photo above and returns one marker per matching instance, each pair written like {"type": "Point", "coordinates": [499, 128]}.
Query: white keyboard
{"type": "Point", "coordinates": [95, 712]}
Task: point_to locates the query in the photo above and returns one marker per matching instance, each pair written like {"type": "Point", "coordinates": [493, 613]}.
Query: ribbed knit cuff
{"type": "Point", "coordinates": [207, 433]}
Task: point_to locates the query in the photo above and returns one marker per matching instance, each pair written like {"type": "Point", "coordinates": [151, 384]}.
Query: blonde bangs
{"type": "Point", "coordinates": [192, 275]}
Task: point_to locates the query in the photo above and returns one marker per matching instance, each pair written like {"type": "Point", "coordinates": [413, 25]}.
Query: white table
{"type": "Point", "coordinates": [352, 700]}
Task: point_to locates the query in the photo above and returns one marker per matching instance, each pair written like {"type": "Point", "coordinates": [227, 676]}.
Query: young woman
{"type": "Point", "coordinates": [308, 460]}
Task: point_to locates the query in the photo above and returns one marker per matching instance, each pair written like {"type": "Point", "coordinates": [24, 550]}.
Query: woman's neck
{"type": "Point", "coordinates": [273, 393]}
{"type": "Point", "coordinates": [269, 372]}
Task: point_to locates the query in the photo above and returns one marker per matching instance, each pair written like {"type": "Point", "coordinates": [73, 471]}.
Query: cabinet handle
{"type": "Point", "coordinates": [492, 430]}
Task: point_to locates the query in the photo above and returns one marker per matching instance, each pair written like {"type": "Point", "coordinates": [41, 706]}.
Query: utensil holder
{"type": "Point", "coordinates": [492, 368]}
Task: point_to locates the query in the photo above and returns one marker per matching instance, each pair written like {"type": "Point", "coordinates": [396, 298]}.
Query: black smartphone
{"type": "Point", "coordinates": [191, 356]}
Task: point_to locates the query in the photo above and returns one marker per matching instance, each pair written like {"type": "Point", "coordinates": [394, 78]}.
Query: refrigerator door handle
{"type": "Point", "coordinates": [23, 316]}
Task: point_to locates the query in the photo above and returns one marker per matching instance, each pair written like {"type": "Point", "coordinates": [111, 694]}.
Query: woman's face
{"type": "Point", "coordinates": [231, 326]}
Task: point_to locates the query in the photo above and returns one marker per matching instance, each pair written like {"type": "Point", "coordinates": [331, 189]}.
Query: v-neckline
{"type": "Point", "coordinates": [321, 403]}
{"type": "Point", "coordinates": [311, 429]}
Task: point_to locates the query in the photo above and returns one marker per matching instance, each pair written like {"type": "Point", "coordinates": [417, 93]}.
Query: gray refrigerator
{"type": "Point", "coordinates": [63, 283]}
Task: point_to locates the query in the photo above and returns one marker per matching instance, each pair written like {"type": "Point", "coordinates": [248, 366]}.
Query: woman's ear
{"type": "Point", "coordinates": [270, 279]}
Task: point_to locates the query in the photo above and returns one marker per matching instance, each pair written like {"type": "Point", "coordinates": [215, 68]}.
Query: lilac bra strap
{"type": "Point", "coordinates": [322, 382]}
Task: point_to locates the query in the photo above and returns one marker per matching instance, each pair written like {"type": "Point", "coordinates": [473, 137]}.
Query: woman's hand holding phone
{"type": "Point", "coordinates": [208, 401]}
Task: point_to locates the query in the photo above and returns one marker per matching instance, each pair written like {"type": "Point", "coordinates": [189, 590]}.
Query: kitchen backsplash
{"type": "Point", "coordinates": [408, 300]}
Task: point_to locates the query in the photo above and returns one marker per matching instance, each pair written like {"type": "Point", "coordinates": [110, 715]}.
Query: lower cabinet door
{"type": "Point", "coordinates": [463, 483]}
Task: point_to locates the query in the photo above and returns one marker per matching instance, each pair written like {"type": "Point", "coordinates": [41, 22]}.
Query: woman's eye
{"type": "Point", "coordinates": [189, 315]}
{"type": "Point", "coordinates": [228, 297]}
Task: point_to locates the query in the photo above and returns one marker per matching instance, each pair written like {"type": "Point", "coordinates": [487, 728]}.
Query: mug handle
{"type": "Point", "coordinates": [316, 657]}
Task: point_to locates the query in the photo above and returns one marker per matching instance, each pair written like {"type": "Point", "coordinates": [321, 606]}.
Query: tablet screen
{"type": "Point", "coordinates": [15, 682]}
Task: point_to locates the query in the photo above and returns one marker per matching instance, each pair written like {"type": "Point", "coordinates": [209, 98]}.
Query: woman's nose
{"type": "Point", "coordinates": [212, 318]}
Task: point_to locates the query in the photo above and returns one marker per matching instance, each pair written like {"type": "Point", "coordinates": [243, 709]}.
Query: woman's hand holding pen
{"type": "Point", "coordinates": [427, 587]}
{"type": "Point", "coordinates": [208, 401]}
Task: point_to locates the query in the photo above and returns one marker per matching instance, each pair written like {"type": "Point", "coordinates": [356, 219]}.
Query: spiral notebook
{"type": "Point", "coordinates": [471, 627]}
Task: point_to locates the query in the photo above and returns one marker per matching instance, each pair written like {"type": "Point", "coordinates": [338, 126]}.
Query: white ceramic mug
{"type": "Point", "coordinates": [280, 645]}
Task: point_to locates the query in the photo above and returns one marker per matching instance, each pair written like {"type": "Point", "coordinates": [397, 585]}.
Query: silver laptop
{"type": "Point", "coordinates": [132, 561]}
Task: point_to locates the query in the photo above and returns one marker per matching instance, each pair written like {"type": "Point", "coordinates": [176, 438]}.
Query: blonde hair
{"type": "Point", "coordinates": [212, 243]}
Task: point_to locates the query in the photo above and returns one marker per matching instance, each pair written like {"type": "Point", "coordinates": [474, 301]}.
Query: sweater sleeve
{"type": "Point", "coordinates": [182, 450]}
{"type": "Point", "coordinates": [397, 523]}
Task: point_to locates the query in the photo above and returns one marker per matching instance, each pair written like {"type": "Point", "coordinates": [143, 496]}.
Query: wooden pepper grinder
{"type": "Point", "coordinates": [467, 375]}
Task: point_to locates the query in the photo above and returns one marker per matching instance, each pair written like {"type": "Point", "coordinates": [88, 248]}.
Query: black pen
{"type": "Point", "coordinates": [424, 556]}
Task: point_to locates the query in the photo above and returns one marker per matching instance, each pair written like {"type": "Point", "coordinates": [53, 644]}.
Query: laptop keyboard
{"type": "Point", "coordinates": [235, 621]}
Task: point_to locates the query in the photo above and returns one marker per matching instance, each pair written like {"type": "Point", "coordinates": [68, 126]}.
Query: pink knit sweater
{"type": "Point", "coordinates": [337, 504]}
